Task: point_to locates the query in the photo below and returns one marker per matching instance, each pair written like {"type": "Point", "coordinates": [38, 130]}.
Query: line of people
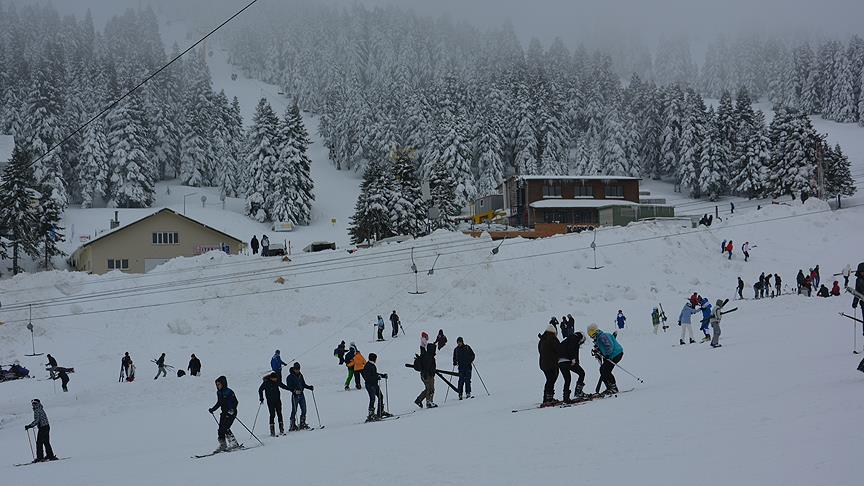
{"type": "Point", "coordinates": [763, 287]}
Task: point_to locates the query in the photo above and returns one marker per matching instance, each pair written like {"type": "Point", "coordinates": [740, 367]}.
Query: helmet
{"type": "Point", "coordinates": [592, 330]}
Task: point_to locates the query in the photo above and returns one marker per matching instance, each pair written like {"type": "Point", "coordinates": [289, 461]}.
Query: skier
{"type": "Point", "coordinates": [371, 377]}
{"type": "Point", "coordinates": [859, 285]}
{"type": "Point", "coordinates": [815, 276]}
{"type": "Point", "coordinates": [160, 363]}
{"type": "Point", "coordinates": [124, 365]}
{"type": "Point", "coordinates": [568, 327]}
{"type": "Point", "coordinates": [548, 348]}
{"type": "Point", "coordinates": [265, 245]}
{"type": "Point", "coordinates": [799, 279]}
{"type": "Point", "coordinates": [276, 364]}
{"type": "Point", "coordinates": [50, 365]}
{"type": "Point", "coordinates": [380, 327]}
{"type": "Point", "coordinates": [732, 207]}
{"type": "Point", "coordinates": [463, 360]}
{"type": "Point", "coordinates": [766, 285]}
{"type": "Point", "coordinates": [808, 285]}
{"type": "Point", "coordinates": [44, 452]}
{"type": "Point", "coordinates": [339, 352]}
{"type": "Point", "coordinates": [777, 283]}
{"type": "Point", "coordinates": [745, 248]}
{"type": "Point", "coordinates": [756, 288]}
{"type": "Point", "coordinates": [270, 386]}
{"type": "Point", "coordinates": [684, 321]}
{"type": "Point", "coordinates": [609, 352]}
{"type": "Point", "coordinates": [227, 401]}
{"type": "Point", "coordinates": [835, 290]}
{"type": "Point", "coordinates": [440, 339]}
{"type": "Point", "coordinates": [427, 367]}
{"type": "Point", "coordinates": [568, 360]}
{"type": "Point", "coordinates": [706, 317]}
{"type": "Point", "coordinates": [355, 363]}
{"type": "Point", "coordinates": [716, 315]}
{"type": "Point", "coordinates": [130, 376]}
{"type": "Point", "coordinates": [62, 376]}
{"type": "Point", "coordinates": [847, 271]}
{"type": "Point", "coordinates": [297, 384]}
{"type": "Point", "coordinates": [823, 291]}
{"type": "Point", "coordinates": [254, 245]}
{"type": "Point", "coordinates": [394, 324]}
{"type": "Point", "coordinates": [620, 318]}
{"type": "Point", "coordinates": [723, 247]}
{"type": "Point", "coordinates": [655, 319]}
{"type": "Point", "coordinates": [194, 365]}
{"type": "Point", "coordinates": [740, 288]}
{"type": "Point", "coordinates": [729, 248]}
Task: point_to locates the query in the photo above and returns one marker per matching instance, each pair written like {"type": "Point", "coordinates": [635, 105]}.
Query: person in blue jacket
{"type": "Point", "coordinates": [276, 364]}
{"type": "Point", "coordinates": [706, 318]}
{"type": "Point", "coordinates": [227, 401]}
{"type": "Point", "coordinates": [620, 318]}
{"type": "Point", "coordinates": [609, 352]}
{"type": "Point", "coordinates": [684, 322]}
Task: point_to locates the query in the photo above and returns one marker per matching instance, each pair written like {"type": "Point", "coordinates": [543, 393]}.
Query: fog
{"type": "Point", "coordinates": [588, 21]}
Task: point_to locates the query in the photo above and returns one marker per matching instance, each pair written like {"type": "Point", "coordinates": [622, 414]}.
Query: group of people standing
{"type": "Point", "coordinates": [763, 287]}
{"type": "Point", "coordinates": [727, 247]}
{"type": "Point", "coordinates": [264, 245]}
{"type": "Point", "coordinates": [395, 324]}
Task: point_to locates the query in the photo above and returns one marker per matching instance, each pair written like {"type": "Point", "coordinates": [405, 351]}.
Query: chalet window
{"type": "Point", "coordinates": [166, 238]}
{"type": "Point", "coordinates": [583, 191]}
{"type": "Point", "coordinates": [614, 191]}
{"type": "Point", "coordinates": [118, 264]}
{"type": "Point", "coordinates": [552, 189]}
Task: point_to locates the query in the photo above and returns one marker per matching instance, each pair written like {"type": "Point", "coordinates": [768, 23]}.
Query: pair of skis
{"type": "Point", "coordinates": [573, 403]}
{"type": "Point", "coordinates": [41, 462]}
{"type": "Point", "coordinates": [391, 417]}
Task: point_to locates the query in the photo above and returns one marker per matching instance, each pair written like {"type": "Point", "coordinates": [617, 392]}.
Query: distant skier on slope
{"type": "Point", "coordinates": [740, 288]}
{"type": "Point", "coordinates": [194, 365]}
{"type": "Point", "coordinates": [620, 319]}
{"type": "Point", "coordinates": [705, 306]}
{"type": "Point", "coordinates": [355, 362]}
{"type": "Point", "coordinates": [43, 436]}
{"type": "Point", "coordinates": [227, 401]}
{"type": "Point", "coordinates": [160, 365]}
{"type": "Point", "coordinates": [777, 284]}
{"type": "Point", "coordinates": [50, 365]}
{"type": "Point", "coordinates": [609, 352]}
{"type": "Point", "coordinates": [124, 366]}
{"type": "Point", "coordinates": [394, 324]}
{"type": "Point", "coordinates": [846, 272]}
{"type": "Point", "coordinates": [745, 249]}
{"type": "Point", "coordinates": [62, 375]}
{"type": "Point", "coordinates": [548, 348]}
{"type": "Point", "coordinates": [339, 352]}
{"type": "Point", "coordinates": [463, 360]}
{"type": "Point", "coordinates": [729, 248]}
{"type": "Point", "coordinates": [684, 321]}
{"type": "Point", "coordinates": [440, 340]}
{"type": "Point", "coordinates": [568, 326]}
{"type": "Point", "coordinates": [568, 360]}
{"type": "Point", "coordinates": [276, 364]}
{"type": "Point", "coordinates": [371, 376]}
{"type": "Point", "coordinates": [716, 315]}
{"type": "Point", "coordinates": [270, 386]}
{"type": "Point", "coordinates": [254, 244]}
{"type": "Point", "coordinates": [655, 319]}
{"type": "Point", "coordinates": [297, 384]}
{"type": "Point", "coordinates": [427, 366]}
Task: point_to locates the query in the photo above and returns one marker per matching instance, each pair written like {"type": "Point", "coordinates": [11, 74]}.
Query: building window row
{"type": "Point", "coordinates": [118, 264]}
{"type": "Point", "coordinates": [614, 191]}
{"type": "Point", "coordinates": [166, 238]}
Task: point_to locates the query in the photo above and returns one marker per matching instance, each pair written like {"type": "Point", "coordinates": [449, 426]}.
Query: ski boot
{"type": "Point", "coordinates": [419, 403]}
{"type": "Point", "coordinates": [460, 396]}
{"type": "Point", "coordinates": [385, 414]}
{"type": "Point", "coordinates": [692, 341]}
{"type": "Point", "coordinates": [578, 394]}
{"type": "Point", "coordinates": [292, 427]}
{"type": "Point", "coordinates": [372, 417]}
{"type": "Point", "coordinates": [716, 345]}
{"type": "Point", "coordinates": [566, 396]}
{"type": "Point", "coordinates": [431, 405]}
{"type": "Point", "coordinates": [281, 428]}
{"type": "Point", "coordinates": [272, 430]}
{"type": "Point", "coordinates": [232, 442]}
{"type": "Point", "coordinates": [347, 388]}
{"type": "Point", "coordinates": [303, 425]}
{"type": "Point", "coordinates": [222, 447]}
{"type": "Point", "coordinates": [681, 342]}
{"type": "Point", "coordinates": [706, 339]}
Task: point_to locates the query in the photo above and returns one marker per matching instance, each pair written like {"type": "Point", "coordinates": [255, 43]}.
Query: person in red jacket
{"type": "Point", "coordinates": [835, 291]}
{"type": "Point", "coordinates": [729, 248]}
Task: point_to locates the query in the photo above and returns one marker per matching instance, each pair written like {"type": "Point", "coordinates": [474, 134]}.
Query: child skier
{"type": "Point", "coordinates": [609, 352]}
{"type": "Point", "coordinates": [716, 315]}
{"type": "Point", "coordinates": [297, 384]}
{"type": "Point", "coordinates": [568, 360]}
{"type": "Point", "coordinates": [160, 363]}
{"type": "Point", "coordinates": [227, 401]}
{"type": "Point", "coordinates": [729, 248]}
{"type": "Point", "coordinates": [380, 326]}
{"type": "Point", "coordinates": [339, 352]}
{"type": "Point", "coordinates": [684, 322]}
{"type": "Point", "coordinates": [620, 319]}
{"type": "Point", "coordinates": [276, 364]}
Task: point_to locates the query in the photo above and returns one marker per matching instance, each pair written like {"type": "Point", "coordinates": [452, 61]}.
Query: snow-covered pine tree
{"type": "Point", "coordinates": [454, 154]}
{"type": "Point", "coordinates": [409, 208]}
{"type": "Point", "coordinates": [196, 150]}
{"type": "Point", "coordinates": [130, 184]}
{"type": "Point", "coordinates": [692, 139]}
{"type": "Point", "coordinates": [670, 145]}
{"type": "Point", "coordinates": [715, 156]}
{"type": "Point", "coordinates": [291, 198]}
{"type": "Point", "coordinates": [49, 231]}
{"type": "Point", "coordinates": [263, 140]}
{"type": "Point", "coordinates": [838, 177]}
{"type": "Point", "coordinates": [489, 159]}
{"type": "Point", "coordinates": [372, 214]}
{"type": "Point", "coordinates": [19, 219]}
{"type": "Point", "coordinates": [753, 156]}
{"type": "Point", "coordinates": [614, 156]}
{"type": "Point", "coordinates": [842, 106]}
{"type": "Point", "coordinates": [793, 145]}
{"type": "Point", "coordinates": [93, 166]}
{"type": "Point", "coordinates": [442, 185]}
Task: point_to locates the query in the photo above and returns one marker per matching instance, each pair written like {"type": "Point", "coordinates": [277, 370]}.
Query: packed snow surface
{"type": "Point", "coordinates": [777, 404]}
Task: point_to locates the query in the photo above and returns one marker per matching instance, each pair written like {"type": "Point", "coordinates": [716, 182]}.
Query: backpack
{"type": "Point", "coordinates": [181, 373]}
{"type": "Point", "coordinates": [418, 363]}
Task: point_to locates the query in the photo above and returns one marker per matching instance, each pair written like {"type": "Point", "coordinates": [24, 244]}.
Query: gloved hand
{"type": "Point", "coordinates": [384, 375]}
{"type": "Point", "coordinates": [260, 400]}
{"type": "Point", "coordinates": [312, 387]}
{"type": "Point", "coordinates": [211, 410]}
{"type": "Point", "coordinates": [26, 427]}
{"type": "Point", "coordinates": [679, 323]}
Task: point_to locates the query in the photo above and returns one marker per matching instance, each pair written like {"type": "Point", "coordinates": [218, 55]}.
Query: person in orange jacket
{"type": "Point", "coordinates": [355, 363]}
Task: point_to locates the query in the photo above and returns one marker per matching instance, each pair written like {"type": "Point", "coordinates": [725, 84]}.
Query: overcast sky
{"type": "Point", "coordinates": [597, 20]}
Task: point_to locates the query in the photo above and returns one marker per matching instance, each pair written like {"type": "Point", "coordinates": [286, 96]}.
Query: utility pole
{"type": "Point", "coordinates": [820, 172]}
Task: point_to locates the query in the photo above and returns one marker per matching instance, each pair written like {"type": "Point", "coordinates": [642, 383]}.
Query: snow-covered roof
{"type": "Point", "coordinates": [7, 143]}
{"type": "Point", "coordinates": [577, 178]}
{"type": "Point", "coordinates": [580, 203]}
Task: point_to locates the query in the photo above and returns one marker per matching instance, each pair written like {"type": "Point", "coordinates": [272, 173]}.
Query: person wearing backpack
{"type": "Point", "coordinates": [425, 361]}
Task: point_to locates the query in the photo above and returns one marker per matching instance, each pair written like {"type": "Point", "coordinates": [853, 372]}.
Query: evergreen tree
{"type": "Point", "coordinates": [409, 208]}
{"type": "Point", "coordinates": [692, 140]}
{"type": "Point", "coordinates": [489, 160]}
{"type": "Point", "coordinates": [793, 145]}
{"type": "Point", "coordinates": [19, 220]}
{"type": "Point", "coordinates": [614, 156]}
{"type": "Point", "coordinates": [715, 155]}
{"type": "Point", "coordinates": [372, 213]}
{"type": "Point", "coordinates": [93, 168]}
{"type": "Point", "coordinates": [442, 185]}
{"type": "Point", "coordinates": [753, 156]}
{"type": "Point", "coordinates": [838, 177]}
{"type": "Point", "coordinates": [263, 141]}
{"type": "Point", "coordinates": [131, 184]}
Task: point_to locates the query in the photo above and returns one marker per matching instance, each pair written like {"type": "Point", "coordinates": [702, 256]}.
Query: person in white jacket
{"type": "Point", "coordinates": [847, 272]}
{"type": "Point", "coordinates": [684, 322]}
{"type": "Point", "coordinates": [745, 248]}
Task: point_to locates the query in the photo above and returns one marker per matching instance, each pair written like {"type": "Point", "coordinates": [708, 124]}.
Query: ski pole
{"type": "Point", "coordinates": [256, 415]}
{"type": "Point", "coordinates": [214, 418]}
{"type": "Point", "coordinates": [247, 429]}
{"type": "Point", "coordinates": [625, 371]}
{"type": "Point", "coordinates": [481, 380]}
{"type": "Point", "coordinates": [314, 402]}
{"type": "Point", "coordinates": [448, 388]}
{"type": "Point", "coordinates": [387, 395]}
{"type": "Point", "coordinates": [31, 444]}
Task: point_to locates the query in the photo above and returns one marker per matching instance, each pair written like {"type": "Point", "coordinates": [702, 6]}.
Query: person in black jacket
{"type": "Point", "coordinates": [43, 436]}
{"type": "Point", "coordinates": [394, 324]}
{"type": "Point", "coordinates": [50, 365]}
{"type": "Point", "coordinates": [194, 365]}
{"type": "Point", "coordinates": [568, 326]}
{"type": "Point", "coordinates": [270, 386]}
{"type": "Point", "coordinates": [427, 372]}
{"type": "Point", "coordinates": [339, 352]}
{"type": "Point", "coordinates": [371, 376]}
{"type": "Point", "coordinates": [227, 401]}
{"type": "Point", "coordinates": [124, 365]}
{"type": "Point", "coordinates": [568, 360]}
{"type": "Point", "coordinates": [297, 384]}
{"type": "Point", "coordinates": [548, 349]}
{"type": "Point", "coordinates": [160, 363]}
{"type": "Point", "coordinates": [463, 360]}
{"type": "Point", "coordinates": [254, 244]}
{"type": "Point", "coordinates": [800, 280]}
{"type": "Point", "coordinates": [62, 376]}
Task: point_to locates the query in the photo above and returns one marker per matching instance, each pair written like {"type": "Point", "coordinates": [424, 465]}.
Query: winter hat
{"type": "Point", "coordinates": [592, 330]}
{"type": "Point", "coordinates": [423, 335]}
{"type": "Point", "coordinates": [459, 339]}
{"type": "Point", "coordinates": [352, 345]}
{"type": "Point", "coordinates": [373, 357]}
{"type": "Point", "coordinates": [552, 329]}
{"type": "Point", "coordinates": [222, 380]}
{"type": "Point", "coordinates": [35, 402]}
{"type": "Point", "coordinates": [277, 351]}
{"type": "Point", "coordinates": [719, 303]}
{"type": "Point", "coordinates": [296, 365]}
{"type": "Point", "coordinates": [424, 339]}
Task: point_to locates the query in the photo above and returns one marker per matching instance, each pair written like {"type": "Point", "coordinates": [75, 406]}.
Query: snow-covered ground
{"type": "Point", "coordinates": [776, 404]}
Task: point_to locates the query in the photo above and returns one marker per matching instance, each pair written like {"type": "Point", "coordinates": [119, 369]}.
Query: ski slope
{"type": "Point", "coordinates": [776, 404]}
